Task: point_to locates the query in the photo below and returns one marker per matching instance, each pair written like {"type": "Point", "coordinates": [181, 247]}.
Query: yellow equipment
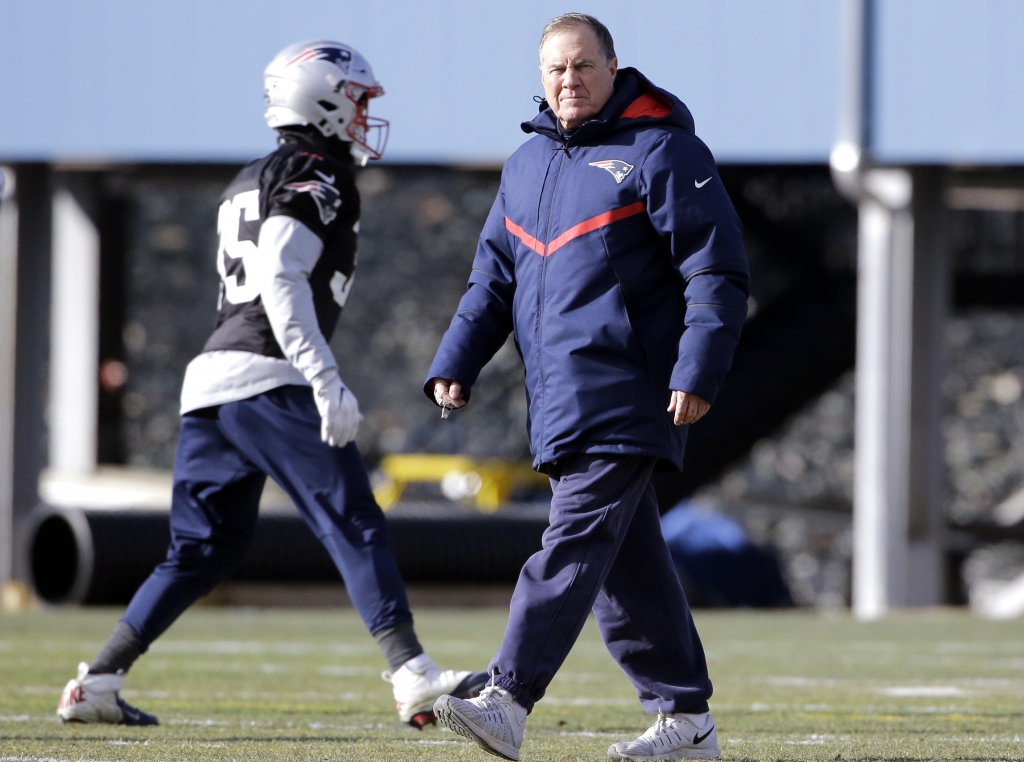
{"type": "Point", "coordinates": [489, 482]}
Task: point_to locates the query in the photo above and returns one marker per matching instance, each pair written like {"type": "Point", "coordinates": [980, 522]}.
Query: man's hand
{"type": "Point", "coordinates": [688, 408]}
{"type": "Point", "coordinates": [338, 408]}
{"type": "Point", "coordinates": [448, 393]}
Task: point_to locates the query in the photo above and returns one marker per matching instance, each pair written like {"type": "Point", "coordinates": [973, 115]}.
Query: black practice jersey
{"type": "Point", "coordinates": [303, 180]}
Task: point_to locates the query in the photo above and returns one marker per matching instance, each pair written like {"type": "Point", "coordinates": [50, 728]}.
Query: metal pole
{"type": "Point", "coordinates": [928, 481]}
{"type": "Point", "coordinates": [8, 318]}
{"type": "Point", "coordinates": [898, 366]}
{"type": "Point", "coordinates": [853, 133]}
{"type": "Point", "coordinates": [31, 330]}
{"type": "Point", "coordinates": [882, 431]}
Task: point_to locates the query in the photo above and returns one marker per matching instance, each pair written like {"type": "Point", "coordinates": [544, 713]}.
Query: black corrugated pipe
{"type": "Point", "coordinates": [102, 556]}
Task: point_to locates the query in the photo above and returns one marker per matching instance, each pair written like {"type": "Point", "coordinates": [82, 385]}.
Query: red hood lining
{"type": "Point", "coordinates": [647, 104]}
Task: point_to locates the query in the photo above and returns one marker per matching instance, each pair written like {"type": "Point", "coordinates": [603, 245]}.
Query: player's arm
{"type": "Point", "coordinates": [689, 206]}
{"type": "Point", "coordinates": [288, 251]}
{"type": "Point", "coordinates": [483, 320]}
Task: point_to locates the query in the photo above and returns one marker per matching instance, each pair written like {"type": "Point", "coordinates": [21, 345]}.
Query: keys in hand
{"type": "Point", "coordinates": [447, 395]}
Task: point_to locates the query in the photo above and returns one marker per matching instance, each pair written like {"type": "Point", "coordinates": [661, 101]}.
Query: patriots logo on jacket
{"type": "Point", "coordinates": [619, 169]}
{"type": "Point", "coordinates": [325, 195]}
{"type": "Point", "coordinates": [338, 56]}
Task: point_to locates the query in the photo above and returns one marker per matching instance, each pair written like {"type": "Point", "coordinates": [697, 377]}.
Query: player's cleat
{"type": "Point", "coordinates": [494, 721]}
{"type": "Point", "coordinates": [672, 736]}
{"type": "Point", "coordinates": [96, 698]}
{"type": "Point", "coordinates": [419, 682]}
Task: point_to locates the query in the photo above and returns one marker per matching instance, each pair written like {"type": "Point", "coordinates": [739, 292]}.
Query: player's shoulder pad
{"type": "Point", "coordinates": [309, 186]}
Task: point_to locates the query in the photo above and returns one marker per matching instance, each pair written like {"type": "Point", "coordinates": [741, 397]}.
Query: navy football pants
{"type": "Point", "coordinates": [223, 459]}
{"type": "Point", "coordinates": [603, 550]}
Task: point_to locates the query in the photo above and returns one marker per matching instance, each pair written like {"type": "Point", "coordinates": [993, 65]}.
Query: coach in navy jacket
{"type": "Point", "coordinates": [614, 255]}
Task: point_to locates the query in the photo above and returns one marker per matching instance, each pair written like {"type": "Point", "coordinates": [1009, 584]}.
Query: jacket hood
{"type": "Point", "coordinates": [635, 100]}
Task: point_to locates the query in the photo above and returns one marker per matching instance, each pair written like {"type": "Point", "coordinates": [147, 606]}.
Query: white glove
{"type": "Point", "coordinates": [338, 408]}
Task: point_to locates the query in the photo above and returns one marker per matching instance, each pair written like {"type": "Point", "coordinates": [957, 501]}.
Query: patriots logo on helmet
{"type": "Point", "coordinates": [619, 169]}
{"type": "Point", "coordinates": [340, 57]}
{"type": "Point", "coordinates": [325, 195]}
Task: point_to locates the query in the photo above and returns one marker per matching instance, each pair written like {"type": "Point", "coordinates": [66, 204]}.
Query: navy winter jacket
{"type": "Point", "coordinates": [616, 258]}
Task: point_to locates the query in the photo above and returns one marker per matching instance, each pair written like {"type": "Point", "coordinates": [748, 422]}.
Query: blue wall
{"type": "Point", "coordinates": [125, 80]}
{"type": "Point", "coordinates": [950, 81]}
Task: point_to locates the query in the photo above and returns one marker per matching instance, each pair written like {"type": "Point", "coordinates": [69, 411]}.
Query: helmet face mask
{"type": "Point", "coordinates": [368, 134]}
{"type": "Point", "coordinates": [327, 85]}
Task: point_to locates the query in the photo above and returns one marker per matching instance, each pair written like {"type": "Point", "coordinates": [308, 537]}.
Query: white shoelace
{"type": "Point", "coordinates": [658, 734]}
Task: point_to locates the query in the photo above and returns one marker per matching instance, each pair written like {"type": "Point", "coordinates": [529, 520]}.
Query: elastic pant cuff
{"type": "Point", "coordinates": [519, 693]}
{"type": "Point", "coordinates": [653, 706]}
{"type": "Point", "coordinates": [700, 708]}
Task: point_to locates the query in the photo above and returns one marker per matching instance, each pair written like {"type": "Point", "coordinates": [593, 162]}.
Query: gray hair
{"type": "Point", "coordinates": [574, 20]}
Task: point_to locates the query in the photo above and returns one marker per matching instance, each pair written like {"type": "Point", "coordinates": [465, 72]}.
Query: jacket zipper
{"type": "Point", "coordinates": [543, 285]}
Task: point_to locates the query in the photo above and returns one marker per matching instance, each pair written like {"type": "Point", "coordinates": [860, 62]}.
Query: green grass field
{"type": "Point", "coordinates": [304, 685]}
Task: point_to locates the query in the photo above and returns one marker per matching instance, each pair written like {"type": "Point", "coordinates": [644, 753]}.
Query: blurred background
{"type": "Point", "coordinates": [867, 449]}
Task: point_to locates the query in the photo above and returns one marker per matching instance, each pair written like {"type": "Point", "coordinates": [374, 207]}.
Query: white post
{"type": "Point", "coordinates": [882, 434]}
{"type": "Point", "coordinates": [74, 335]}
{"type": "Point", "coordinates": [8, 344]}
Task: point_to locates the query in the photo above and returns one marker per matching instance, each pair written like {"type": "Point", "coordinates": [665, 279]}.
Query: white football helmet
{"type": "Point", "coordinates": [328, 85]}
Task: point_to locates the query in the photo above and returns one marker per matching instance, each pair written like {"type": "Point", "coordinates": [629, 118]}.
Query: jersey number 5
{"type": "Point", "coordinates": [229, 218]}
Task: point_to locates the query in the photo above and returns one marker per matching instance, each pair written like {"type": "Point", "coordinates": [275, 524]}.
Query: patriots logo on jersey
{"type": "Point", "coordinates": [325, 195]}
{"type": "Point", "coordinates": [340, 57]}
{"type": "Point", "coordinates": [619, 169]}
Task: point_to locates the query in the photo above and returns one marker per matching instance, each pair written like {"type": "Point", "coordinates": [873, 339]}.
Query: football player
{"type": "Point", "coordinates": [264, 397]}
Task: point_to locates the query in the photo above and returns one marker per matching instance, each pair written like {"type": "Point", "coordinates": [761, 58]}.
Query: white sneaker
{"type": "Point", "coordinates": [494, 720]}
{"type": "Point", "coordinates": [672, 736]}
{"type": "Point", "coordinates": [419, 682]}
{"type": "Point", "coordinates": [96, 698]}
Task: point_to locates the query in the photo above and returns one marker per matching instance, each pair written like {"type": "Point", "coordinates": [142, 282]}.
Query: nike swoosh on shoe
{"type": "Point", "coordinates": [698, 738]}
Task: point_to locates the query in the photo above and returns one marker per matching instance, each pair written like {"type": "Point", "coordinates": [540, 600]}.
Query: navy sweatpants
{"type": "Point", "coordinates": [223, 459]}
{"type": "Point", "coordinates": [603, 551]}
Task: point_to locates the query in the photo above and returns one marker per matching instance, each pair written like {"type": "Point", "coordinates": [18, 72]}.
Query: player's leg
{"type": "Point", "coordinates": [213, 514]}
{"type": "Point", "coordinates": [280, 431]}
{"type": "Point", "coordinates": [645, 621]}
{"type": "Point", "coordinates": [592, 505]}
{"type": "Point", "coordinates": [214, 509]}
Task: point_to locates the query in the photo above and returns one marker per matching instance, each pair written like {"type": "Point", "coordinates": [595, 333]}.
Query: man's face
{"type": "Point", "coordinates": [577, 82]}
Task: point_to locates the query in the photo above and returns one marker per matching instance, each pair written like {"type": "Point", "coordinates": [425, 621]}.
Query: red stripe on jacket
{"type": "Point", "coordinates": [525, 237]}
{"type": "Point", "coordinates": [587, 226]}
